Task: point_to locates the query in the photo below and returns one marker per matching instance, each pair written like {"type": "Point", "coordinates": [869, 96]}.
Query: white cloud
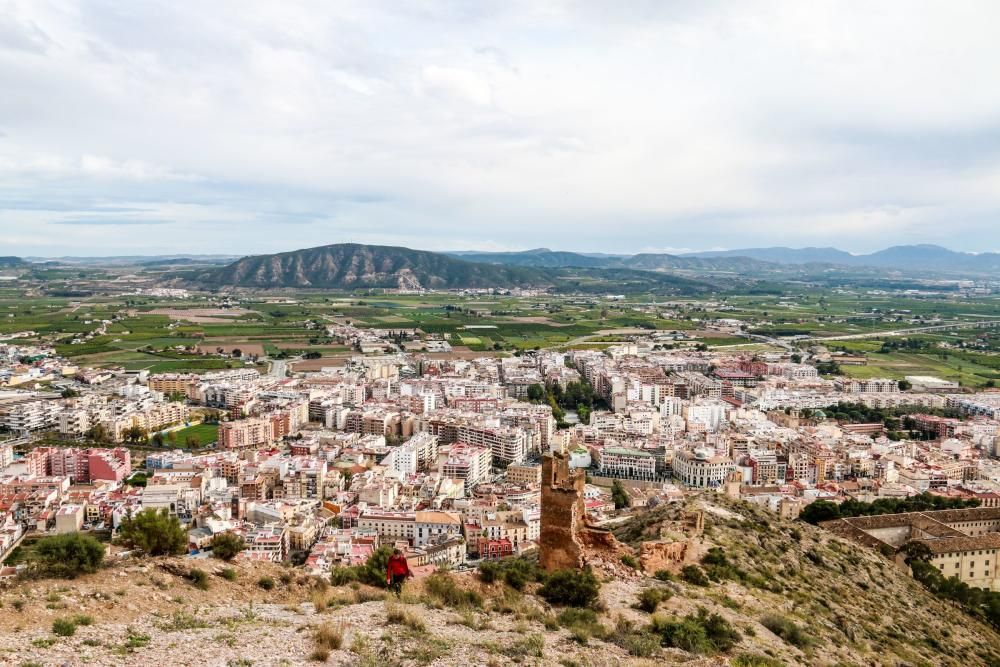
{"type": "Point", "coordinates": [569, 124]}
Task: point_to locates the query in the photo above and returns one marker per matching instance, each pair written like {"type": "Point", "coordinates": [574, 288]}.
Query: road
{"type": "Point", "coordinates": [279, 368]}
{"type": "Point", "coordinates": [900, 332]}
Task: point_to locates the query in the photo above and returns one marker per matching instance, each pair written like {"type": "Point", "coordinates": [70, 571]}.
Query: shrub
{"type": "Point", "coordinates": [650, 598]}
{"type": "Point", "coordinates": [83, 619]}
{"type": "Point", "coordinates": [629, 560]}
{"type": "Point", "coordinates": [515, 572]}
{"type": "Point", "coordinates": [69, 555]}
{"type": "Point", "coordinates": [572, 588]}
{"type": "Point", "coordinates": [640, 644]}
{"type": "Point", "coordinates": [371, 573]}
{"type": "Point", "coordinates": [64, 627]}
{"type": "Point", "coordinates": [228, 573]}
{"type": "Point", "coordinates": [329, 637]}
{"type": "Point", "coordinates": [787, 630]}
{"type": "Point", "coordinates": [18, 605]}
{"type": "Point", "coordinates": [267, 583]}
{"type": "Point", "coordinates": [696, 633]}
{"type": "Point", "coordinates": [664, 575]}
{"type": "Point", "coordinates": [755, 660]}
{"type": "Point", "coordinates": [198, 579]}
{"type": "Point", "coordinates": [694, 575]}
{"type": "Point", "coordinates": [399, 615]}
{"type": "Point", "coordinates": [155, 533]}
{"type": "Point", "coordinates": [444, 588]}
{"type": "Point", "coordinates": [227, 545]}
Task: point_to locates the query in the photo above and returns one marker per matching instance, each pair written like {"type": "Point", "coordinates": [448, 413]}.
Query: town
{"type": "Point", "coordinates": [439, 453]}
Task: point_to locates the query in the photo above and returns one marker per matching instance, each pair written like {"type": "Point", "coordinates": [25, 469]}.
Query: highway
{"type": "Point", "coordinates": [279, 368]}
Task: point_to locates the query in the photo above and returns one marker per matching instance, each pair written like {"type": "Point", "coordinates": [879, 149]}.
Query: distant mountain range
{"type": "Point", "coordinates": [11, 262]}
{"type": "Point", "coordinates": [352, 265]}
{"type": "Point", "coordinates": [910, 259]}
{"type": "Point", "coordinates": [922, 257]}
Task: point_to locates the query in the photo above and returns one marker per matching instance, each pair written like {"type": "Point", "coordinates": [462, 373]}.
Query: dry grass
{"type": "Point", "coordinates": [397, 614]}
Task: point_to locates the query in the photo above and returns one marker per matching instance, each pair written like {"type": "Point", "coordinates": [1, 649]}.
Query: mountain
{"type": "Point", "coordinates": [545, 258]}
{"type": "Point", "coordinates": [11, 262]}
{"type": "Point", "coordinates": [783, 255]}
{"type": "Point", "coordinates": [920, 258]}
{"type": "Point", "coordinates": [728, 264]}
{"type": "Point", "coordinates": [350, 265]}
{"type": "Point", "coordinates": [540, 257]}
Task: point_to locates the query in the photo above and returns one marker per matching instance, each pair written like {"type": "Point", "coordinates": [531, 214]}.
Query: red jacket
{"type": "Point", "coordinates": [397, 567]}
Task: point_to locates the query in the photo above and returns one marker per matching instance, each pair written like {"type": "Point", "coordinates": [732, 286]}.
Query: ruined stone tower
{"type": "Point", "coordinates": [563, 514]}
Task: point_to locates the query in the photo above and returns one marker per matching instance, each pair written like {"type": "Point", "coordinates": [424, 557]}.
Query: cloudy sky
{"type": "Point", "coordinates": [242, 127]}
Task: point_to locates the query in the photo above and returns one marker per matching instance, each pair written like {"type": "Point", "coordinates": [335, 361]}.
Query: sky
{"type": "Point", "coordinates": [242, 127]}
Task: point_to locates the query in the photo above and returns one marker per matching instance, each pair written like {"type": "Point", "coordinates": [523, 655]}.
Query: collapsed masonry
{"type": "Point", "coordinates": [568, 540]}
{"type": "Point", "coordinates": [680, 544]}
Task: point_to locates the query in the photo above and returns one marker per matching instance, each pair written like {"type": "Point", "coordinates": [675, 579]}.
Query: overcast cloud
{"type": "Point", "coordinates": [244, 127]}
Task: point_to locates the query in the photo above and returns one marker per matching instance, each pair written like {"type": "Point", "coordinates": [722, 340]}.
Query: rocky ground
{"type": "Point", "coordinates": [851, 606]}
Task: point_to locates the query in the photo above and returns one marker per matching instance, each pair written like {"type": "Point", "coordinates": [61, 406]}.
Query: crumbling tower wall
{"type": "Point", "coordinates": [564, 514]}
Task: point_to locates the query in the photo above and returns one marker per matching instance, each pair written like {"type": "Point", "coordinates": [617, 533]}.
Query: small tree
{"type": "Point", "coordinates": [619, 495]}
{"type": "Point", "coordinates": [156, 533]}
{"type": "Point", "coordinates": [69, 555]}
{"type": "Point", "coordinates": [820, 510]}
{"type": "Point", "coordinates": [227, 545]}
{"type": "Point", "coordinates": [573, 588]}
{"type": "Point", "coordinates": [536, 393]}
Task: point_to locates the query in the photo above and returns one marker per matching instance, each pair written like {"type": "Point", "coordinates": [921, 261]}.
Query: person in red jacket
{"type": "Point", "coordinates": [397, 572]}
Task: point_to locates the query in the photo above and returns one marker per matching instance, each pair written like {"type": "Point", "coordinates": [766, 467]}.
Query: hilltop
{"type": "Point", "coordinates": [781, 593]}
{"type": "Point", "coordinates": [350, 265]}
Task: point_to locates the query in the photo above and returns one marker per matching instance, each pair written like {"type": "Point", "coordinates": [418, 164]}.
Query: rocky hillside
{"type": "Point", "coordinates": [351, 265]}
{"type": "Point", "coordinates": [771, 593]}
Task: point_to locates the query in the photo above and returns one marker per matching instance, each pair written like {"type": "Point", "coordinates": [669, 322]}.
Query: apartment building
{"type": "Point", "coordinates": [468, 463]}
{"type": "Point", "coordinates": [506, 444]}
{"type": "Point", "coordinates": [418, 528]}
{"type": "Point", "coordinates": [246, 433]}
{"type": "Point", "coordinates": [625, 463]}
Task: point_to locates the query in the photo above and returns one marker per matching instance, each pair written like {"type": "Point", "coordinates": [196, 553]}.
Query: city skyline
{"type": "Point", "coordinates": [650, 128]}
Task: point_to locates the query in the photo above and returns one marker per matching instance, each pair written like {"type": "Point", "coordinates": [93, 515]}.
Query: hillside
{"type": "Point", "coordinates": [912, 258]}
{"type": "Point", "coordinates": [11, 262]}
{"type": "Point", "coordinates": [831, 602]}
{"type": "Point", "coordinates": [351, 265]}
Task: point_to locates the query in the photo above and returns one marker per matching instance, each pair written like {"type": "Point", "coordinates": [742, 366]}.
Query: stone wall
{"type": "Point", "coordinates": [563, 514]}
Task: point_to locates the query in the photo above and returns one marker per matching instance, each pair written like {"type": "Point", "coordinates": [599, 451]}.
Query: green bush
{"type": "Point", "coordinates": [701, 632]}
{"type": "Point", "coordinates": [694, 575]}
{"type": "Point", "coordinates": [64, 627]}
{"type": "Point", "coordinates": [83, 619]}
{"type": "Point", "coordinates": [155, 533]}
{"type": "Point", "coordinates": [787, 630]}
{"type": "Point", "coordinates": [228, 573]}
{"type": "Point", "coordinates": [444, 588]}
{"type": "Point", "coordinates": [650, 598]}
{"type": "Point", "coordinates": [69, 555]}
{"type": "Point", "coordinates": [198, 579]}
{"type": "Point", "coordinates": [371, 573]}
{"type": "Point", "coordinates": [572, 588]}
{"type": "Point", "coordinates": [664, 575]}
{"type": "Point", "coordinates": [267, 583]}
{"type": "Point", "coordinates": [640, 644]}
{"type": "Point", "coordinates": [629, 560]}
{"type": "Point", "coordinates": [227, 545]}
{"type": "Point", "coordinates": [515, 572]}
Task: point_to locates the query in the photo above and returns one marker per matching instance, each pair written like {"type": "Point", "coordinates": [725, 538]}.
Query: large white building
{"type": "Point", "coordinates": [701, 468]}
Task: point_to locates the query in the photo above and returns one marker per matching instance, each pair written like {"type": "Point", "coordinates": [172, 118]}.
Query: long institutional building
{"type": "Point", "coordinates": [963, 543]}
